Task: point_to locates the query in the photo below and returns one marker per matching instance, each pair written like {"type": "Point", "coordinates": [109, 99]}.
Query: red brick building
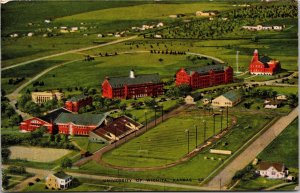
{"type": "Point", "coordinates": [78, 124]}
{"type": "Point", "coordinates": [204, 76]}
{"type": "Point", "coordinates": [63, 121]}
{"type": "Point", "coordinates": [263, 65]}
{"type": "Point", "coordinates": [46, 120]}
{"type": "Point", "coordinates": [77, 102]}
{"type": "Point", "coordinates": [132, 86]}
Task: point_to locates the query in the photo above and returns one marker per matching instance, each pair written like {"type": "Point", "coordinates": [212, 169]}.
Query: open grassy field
{"type": "Point", "coordinates": [92, 74]}
{"type": "Point", "coordinates": [86, 145]}
{"type": "Point", "coordinates": [37, 154]}
{"type": "Point", "coordinates": [156, 147]}
{"type": "Point", "coordinates": [259, 183]}
{"type": "Point", "coordinates": [147, 11]}
{"type": "Point", "coordinates": [284, 148]}
{"type": "Point", "coordinates": [280, 89]}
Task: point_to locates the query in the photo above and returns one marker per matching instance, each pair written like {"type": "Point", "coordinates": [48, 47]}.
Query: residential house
{"type": "Point", "coordinates": [191, 99]}
{"type": "Point", "coordinates": [272, 103]}
{"type": "Point", "coordinates": [272, 170]}
{"type": "Point", "coordinates": [58, 181]}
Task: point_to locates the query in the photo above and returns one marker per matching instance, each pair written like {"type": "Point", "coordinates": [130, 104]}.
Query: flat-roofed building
{"type": "Point", "coordinates": [41, 97]}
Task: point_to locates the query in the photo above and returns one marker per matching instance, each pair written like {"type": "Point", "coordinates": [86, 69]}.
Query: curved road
{"type": "Point", "coordinates": [14, 95]}
{"type": "Point", "coordinates": [69, 52]}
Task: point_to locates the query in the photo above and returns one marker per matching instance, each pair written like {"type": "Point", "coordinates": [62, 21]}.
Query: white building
{"type": "Point", "coordinates": [58, 181]}
{"type": "Point", "coordinates": [160, 24]}
{"type": "Point", "coordinates": [47, 21]}
{"type": "Point", "coordinates": [272, 170]}
{"type": "Point", "coordinates": [30, 34]}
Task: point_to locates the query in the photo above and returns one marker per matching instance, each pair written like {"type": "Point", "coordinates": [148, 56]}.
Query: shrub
{"type": "Point", "coordinates": [30, 183]}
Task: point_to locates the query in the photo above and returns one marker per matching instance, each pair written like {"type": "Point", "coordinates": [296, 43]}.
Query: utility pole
{"type": "Point", "coordinates": [188, 139]}
{"type": "Point", "coordinates": [214, 115]}
{"type": "Point", "coordinates": [237, 61]}
{"type": "Point", "coordinates": [162, 113]}
{"type": "Point", "coordinates": [196, 135]}
{"type": "Point", "coordinates": [204, 134]}
{"type": "Point", "coordinates": [146, 122]}
{"type": "Point", "coordinates": [221, 120]}
{"type": "Point", "coordinates": [155, 114]}
{"type": "Point", "coordinates": [227, 116]}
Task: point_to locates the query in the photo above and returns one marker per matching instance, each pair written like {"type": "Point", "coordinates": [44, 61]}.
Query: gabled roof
{"type": "Point", "coordinates": [61, 175]}
{"type": "Point", "coordinates": [77, 98]}
{"type": "Point", "coordinates": [232, 95]}
{"type": "Point", "coordinates": [266, 165]}
{"type": "Point", "coordinates": [206, 69]}
{"type": "Point", "coordinates": [81, 119]}
{"type": "Point", "coordinates": [52, 115]}
{"type": "Point", "coordinates": [118, 82]}
{"type": "Point", "coordinates": [265, 59]}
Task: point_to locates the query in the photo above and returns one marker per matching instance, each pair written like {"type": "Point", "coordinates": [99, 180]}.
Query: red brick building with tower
{"type": "Point", "coordinates": [263, 65]}
{"type": "Point", "coordinates": [77, 102]}
{"type": "Point", "coordinates": [132, 86]}
{"type": "Point", "coordinates": [204, 76]}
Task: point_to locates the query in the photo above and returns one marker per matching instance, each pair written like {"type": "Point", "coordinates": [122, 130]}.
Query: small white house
{"type": "Point", "coordinates": [47, 21]}
{"type": "Point", "coordinates": [99, 35]}
{"type": "Point", "coordinates": [58, 181]}
{"type": "Point", "coordinates": [189, 100]}
{"type": "Point", "coordinates": [30, 34]}
{"type": "Point", "coordinates": [160, 24]}
{"type": "Point", "coordinates": [272, 170]}
{"type": "Point", "coordinates": [157, 36]}
{"type": "Point", "coordinates": [73, 29]}
{"type": "Point", "coordinates": [272, 104]}
{"type": "Point", "coordinates": [281, 97]}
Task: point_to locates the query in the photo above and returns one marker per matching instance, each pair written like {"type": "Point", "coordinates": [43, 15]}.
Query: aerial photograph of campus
{"type": "Point", "coordinates": [149, 95]}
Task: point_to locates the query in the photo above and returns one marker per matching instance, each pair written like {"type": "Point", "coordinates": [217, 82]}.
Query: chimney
{"type": "Point", "coordinates": [131, 74]}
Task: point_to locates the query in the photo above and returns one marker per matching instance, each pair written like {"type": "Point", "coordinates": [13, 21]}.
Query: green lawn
{"type": "Point", "coordinates": [281, 89]}
{"type": "Point", "coordinates": [259, 183]}
{"type": "Point", "coordinates": [284, 148]}
{"type": "Point", "coordinates": [85, 144]}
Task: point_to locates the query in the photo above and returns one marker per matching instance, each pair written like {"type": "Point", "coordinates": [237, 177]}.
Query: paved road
{"type": "Point", "coordinates": [273, 82]}
{"type": "Point", "coordinates": [14, 95]}
{"type": "Point", "coordinates": [42, 173]}
{"type": "Point", "coordinates": [69, 52]}
{"type": "Point", "coordinates": [243, 159]}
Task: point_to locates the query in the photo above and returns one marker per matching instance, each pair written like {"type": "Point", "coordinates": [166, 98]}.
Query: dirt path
{"type": "Point", "coordinates": [69, 52]}
{"type": "Point", "coordinates": [243, 159]}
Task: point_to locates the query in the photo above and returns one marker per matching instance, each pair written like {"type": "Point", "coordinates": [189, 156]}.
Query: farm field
{"type": "Point", "coordinates": [156, 147]}
{"type": "Point", "coordinates": [281, 90]}
{"type": "Point", "coordinates": [37, 154]}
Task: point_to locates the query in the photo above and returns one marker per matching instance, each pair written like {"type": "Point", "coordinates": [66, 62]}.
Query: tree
{"type": "Point", "coordinates": [184, 89]}
{"type": "Point", "coordinates": [5, 180]}
{"type": "Point", "coordinates": [160, 59]}
{"type": "Point", "coordinates": [150, 103]}
{"type": "Point", "coordinates": [23, 100]}
{"type": "Point", "coordinates": [14, 120]}
{"type": "Point", "coordinates": [57, 138]}
{"type": "Point", "coordinates": [5, 153]}
{"type": "Point", "coordinates": [66, 163]}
